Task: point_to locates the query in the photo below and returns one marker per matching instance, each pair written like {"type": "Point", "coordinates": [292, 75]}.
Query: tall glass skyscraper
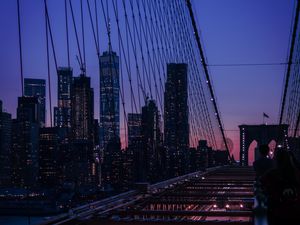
{"type": "Point", "coordinates": [176, 129]}
{"type": "Point", "coordinates": [109, 98]}
{"type": "Point", "coordinates": [37, 88]}
{"type": "Point", "coordinates": [62, 113]}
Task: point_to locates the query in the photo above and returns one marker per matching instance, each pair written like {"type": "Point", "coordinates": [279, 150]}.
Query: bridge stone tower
{"type": "Point", "coordinates": [262, 134]}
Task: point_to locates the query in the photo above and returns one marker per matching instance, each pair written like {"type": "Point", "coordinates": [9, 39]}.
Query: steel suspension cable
{"type": "Point", "coordinates": [76, 36]}
{"type": "Point", "coordinates": [20, 48]}
{"type": "Point", "coordinates": [67, 32]}
{"type": "Point", "coordinates": [203, 59]}
{"type": "Point", "coordinates": [290, 61]}
{"type": "Point", "coordinates": [48, 66]}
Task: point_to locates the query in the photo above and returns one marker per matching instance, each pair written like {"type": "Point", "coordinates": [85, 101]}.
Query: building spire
{"type": "Point", "coordinates": [109, 37]}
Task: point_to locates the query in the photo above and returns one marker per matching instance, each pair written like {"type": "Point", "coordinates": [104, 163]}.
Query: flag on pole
{"type": "Point", "coordinates": [265, 115]}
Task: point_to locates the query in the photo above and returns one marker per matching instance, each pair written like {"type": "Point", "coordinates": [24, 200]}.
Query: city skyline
{"type": "Point", "coordinates": [280, 14]}
{"type": "Point", "coordinates": [149, 112]}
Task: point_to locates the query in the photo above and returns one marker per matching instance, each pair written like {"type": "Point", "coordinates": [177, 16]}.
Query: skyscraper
{"type": "Point", "coordinates": [25, 138]}
{"type": "Point", "coordinates": [82, 165]}
{"type": "Point", "coordinates": [134, 127]}
{"type": "Point", "coordinates": [176, 118]}
{"type": "Point", "coordinates": [62, 113]}
{"type": "Point", "coordinates": [5, 147]}
{"type": "Point", "coordinates": [49, 154]}
{"type": "Point", "coordinates": [82, 108]}
{"type": "Point", "coordinates": [109, 98]}
{"type": "Point", "coordinates": [151, 141]}
{"type": "Point", "coordinates": [135, 147]}
{"type": "Point", "coordinates": [37, 88]}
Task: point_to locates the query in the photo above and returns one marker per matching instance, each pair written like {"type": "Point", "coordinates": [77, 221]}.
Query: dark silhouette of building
{"type": "Point", "coordinates": [82, 169]}
{"type": "Point", "coordinates": [127, 173]}
{"type": "Point", "coordinates": [192, 159]}
{"type": "Point", "coordinates": [62, 113]}
{"type": "Point", "coordinates": [176, 129]}
{"type": "Point", "coordinates": [151, 142]}
{"type": "Point", "coordinates": [49, 153]}
{"type": "Point", "coordinates": [202, 155]}
{"type": "Point", "coordinates": [262, 134]}
{"type": "Point", "coordinates": [221, 157]}
{"type": "Point", "coordinates": [109, 98]}
{"type": "Point", "coordinates": [111, 167]}
{"type": "Point", "coordinates": [5, 147]}
{"type": "Point", "coordinates": [37, 88]}
{"type": "Point", "coordinates": [25, 143]}
{"type": "Point", "coordinates": [135, 145]}
{"type": "Point", "coordinates": [134, 127]}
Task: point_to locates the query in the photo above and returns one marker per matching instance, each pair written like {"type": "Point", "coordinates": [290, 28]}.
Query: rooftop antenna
{"type": "Point", "coordinates": [109, 37]}
{"type": "Point", "coordinates": [108, 29]}
{"type": "Point", "coordinates": [83, 64]}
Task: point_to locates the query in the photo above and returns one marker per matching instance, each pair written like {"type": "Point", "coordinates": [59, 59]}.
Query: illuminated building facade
{"type": "Point", "coordinates": [62, 113]}
{"type": "Point", "coordinates": [82, 169]}
{"type": "Point", "coordinates": [37, 88]}
{"type": "Point", "coordinates": [109, 98]}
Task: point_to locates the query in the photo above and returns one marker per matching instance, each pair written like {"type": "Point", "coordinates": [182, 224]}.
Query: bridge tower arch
{"type": "Point", "coordinates": [262, 134]}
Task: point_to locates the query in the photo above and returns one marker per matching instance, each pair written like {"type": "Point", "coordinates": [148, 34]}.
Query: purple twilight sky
{"type": "Point", "coordinates": [232, 31]}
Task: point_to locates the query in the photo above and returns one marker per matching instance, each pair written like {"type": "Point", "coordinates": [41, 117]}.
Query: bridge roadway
{"type": "Point", "coordinates": [222, 195]}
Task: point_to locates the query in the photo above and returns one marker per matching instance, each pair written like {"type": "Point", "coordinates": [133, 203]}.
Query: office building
{"type": "Point", "coordinates": [134, 127]}
{"type": "Point", "coordinates": [109, 98]}
{"type": "Point", "coordinates": [49, 154]}
{"type": "Point", "coordinates": [25, 143]}
{"type": "Point", "coordinates": [82, 170]}
{"type": "Point", "coordinates": [151, 142]}
{"type": "Point", "coordinates": [62, 113]}
{"type": "Point", "coordinates": [5, 147]}
{"type": "Point", "coordinates": [176, 126]}
{"type": "Point", "coordinates": [37, 88]}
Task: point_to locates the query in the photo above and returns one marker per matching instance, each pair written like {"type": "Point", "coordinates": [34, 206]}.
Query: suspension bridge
{"type": "Point", "coordinates": [144, 37]}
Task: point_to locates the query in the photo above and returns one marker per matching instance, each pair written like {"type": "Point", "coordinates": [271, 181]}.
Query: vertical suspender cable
{"type": "Point", "coordinates": [20, 47]}
{"type": "Point", "coordinates": [48, 66]}
{"type": "Point", "coordinates": [67, 32]}
{"type": "Point", "coordinates": [48, 63]}
{"type": "Point", "coordinates": [76, 35]}
{"type": "Point", "coordinates": [97, 25]}
{"type": "Point", "coordinates": [93, 30]}
{"type": "Point", "coordinates": [51, 36]}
